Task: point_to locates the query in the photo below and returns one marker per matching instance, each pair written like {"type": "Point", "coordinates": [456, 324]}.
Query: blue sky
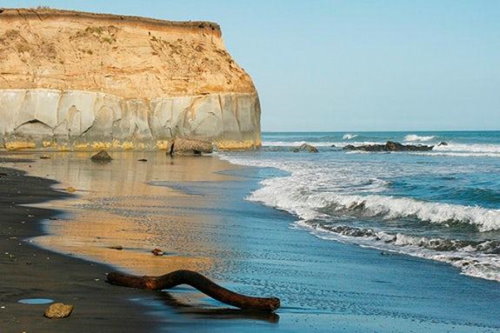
{"type": "Point", "coordinates": [351, 65]}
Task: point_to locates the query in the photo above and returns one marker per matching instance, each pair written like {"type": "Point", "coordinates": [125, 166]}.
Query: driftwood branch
{"type": "Point", "coordinates": [197, 281]}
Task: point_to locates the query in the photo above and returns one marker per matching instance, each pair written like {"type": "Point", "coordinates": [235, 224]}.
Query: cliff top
{"type": "Point", "coordinates": [42, 13]}
{"type": "Point", "coordinates": [127, 56]}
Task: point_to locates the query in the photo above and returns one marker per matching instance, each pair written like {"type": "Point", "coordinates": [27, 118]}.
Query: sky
{"type": "Point", "coordinates": [376, 65]}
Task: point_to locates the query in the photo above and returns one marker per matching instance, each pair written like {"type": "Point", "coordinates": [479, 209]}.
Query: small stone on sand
{"type": "Point", "coordinates": [58, 310]}
{"type": "Point", "coordinates": [157, 252]}
{"type": "Point", "coordinates": [70, 189]}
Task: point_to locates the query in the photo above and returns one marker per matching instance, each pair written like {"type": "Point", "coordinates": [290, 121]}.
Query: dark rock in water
{"type": "Point", "coordinates": [333, 146]}
{"type": "Point", "coordinates": [442, 143]}
{"type": "Point", "coordinates": [389, 146]}
{"type": "Point", "coordinates": [306, 147]}
{"type": "Point", "coordinates": [58, 310]}
{"type": "Point", "coordinates": [349, 147]}
{"type": "Point", "coordinates": [191, 147]}
{"type": "Point", "coordinates": [101, 156]}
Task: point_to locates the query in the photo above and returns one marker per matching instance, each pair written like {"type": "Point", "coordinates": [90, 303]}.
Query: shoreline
{"type": "Point", "coordinates": [254, 250]}
{"type": "Point", "coordinates": [29, 271]}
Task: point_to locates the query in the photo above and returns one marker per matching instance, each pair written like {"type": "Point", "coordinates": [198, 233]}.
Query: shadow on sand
{"type": "Point", "coordinates": [215, 313]}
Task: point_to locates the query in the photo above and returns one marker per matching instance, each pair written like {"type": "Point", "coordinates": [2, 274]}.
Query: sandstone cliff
{"type": "Point", "coordinates": [73, 80]}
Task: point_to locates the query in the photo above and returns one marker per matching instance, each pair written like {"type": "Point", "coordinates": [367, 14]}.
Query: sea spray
{"type": "Point", "coordinates": [414, 137]}
{"type": "Point", "coordinates": [429, 205]}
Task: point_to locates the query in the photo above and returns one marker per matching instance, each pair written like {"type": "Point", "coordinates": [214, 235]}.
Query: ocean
{"type": "Point", "coordinates": [441, 205]}
{"type": "Point", "coordinates": [358, 242]}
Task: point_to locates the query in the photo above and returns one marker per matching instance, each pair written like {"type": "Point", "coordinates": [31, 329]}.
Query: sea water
{"type": "Point", "coordinates": [442, 204]}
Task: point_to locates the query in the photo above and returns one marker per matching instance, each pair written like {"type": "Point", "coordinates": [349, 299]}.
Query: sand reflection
{"type": "Point", "coordinates": [115, 207]}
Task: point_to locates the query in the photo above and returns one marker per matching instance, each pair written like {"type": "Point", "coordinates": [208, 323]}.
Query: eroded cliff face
{"type": "Point", "coordinates": [71, 80]}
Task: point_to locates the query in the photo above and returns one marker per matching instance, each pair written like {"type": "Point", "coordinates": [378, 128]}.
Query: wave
{"type": "Point", "coordinates": [414, 137]}
{"type": "Point", "coordinates": [338, 144]}
{"type": "Point", "coordinates": [469, 148]}
{"type": "Point", "coordinates": [349, 136]}
{"type": "Point", "coordinates": [315, 192]}
{"type": "Point", "coordinates": [457, 154]}
{"type": "Point", "coordinates": [463, 150]}
{"type": "Point", "coordinates": [333, 191]}
{"type": "Point", "coordinates": [296, 143]}
{"type": "Point", "coordinates": [316, 205]}
{"type": "Point", "coordinates": [473, 258]}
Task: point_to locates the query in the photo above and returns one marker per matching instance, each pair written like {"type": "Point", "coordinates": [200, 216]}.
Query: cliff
{"type": "Point", "coordinates": [73, 80]}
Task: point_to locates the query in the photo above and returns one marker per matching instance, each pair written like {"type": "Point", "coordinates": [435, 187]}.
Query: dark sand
{"type": "Point", "coordinates": [325, 286]}
{"type": "Point", "coordinates": [31, 272]}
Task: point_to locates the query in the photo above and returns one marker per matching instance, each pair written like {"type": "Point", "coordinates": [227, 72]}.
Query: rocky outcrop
{"type": "Point", "coordinates": [389, 146]}
{"type": "Point", "coordinates": [305, 147]}
{"type": "Point", "coordinates": [186, 146]}
{"type": "Point", "coordinates": [81, 81]}
{"type": "Point", "coordinates": [101, 157]}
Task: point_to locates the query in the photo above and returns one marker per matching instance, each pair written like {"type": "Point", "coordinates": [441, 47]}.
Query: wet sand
{"type": "Point", "coordinates": [31, 272]}
{"type": "Point", "coordinates": [193, 209]}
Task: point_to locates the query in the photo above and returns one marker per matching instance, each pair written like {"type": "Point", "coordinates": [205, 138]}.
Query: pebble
{"type": "Point", "coordinates": [58, 310]}
{"type": "Point", "coordinates": [157, 252]}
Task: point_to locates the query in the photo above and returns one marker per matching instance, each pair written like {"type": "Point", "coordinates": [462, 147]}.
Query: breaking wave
{"type": "Point", "coordinates": [456, 154]}
{"type": "Point", "coordinates": [414, 137]}
{"type": "Point", "coordinates": [278, 193]}
{"type": "Point", "coordinates": [325, 194]}
{"type": "Point", "coordinates": [349, 136]}
{"type": "Point", "coordinates": [469, 148]}
{"type": "Point", "coordinates": [452, 149]}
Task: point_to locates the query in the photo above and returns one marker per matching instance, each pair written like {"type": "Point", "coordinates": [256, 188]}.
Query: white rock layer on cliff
{"type": "Point", "coordinates": [84, 120]}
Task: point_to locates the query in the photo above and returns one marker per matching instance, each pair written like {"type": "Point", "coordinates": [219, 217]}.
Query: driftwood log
{"type": "Point", "coordinates": [197, 281]}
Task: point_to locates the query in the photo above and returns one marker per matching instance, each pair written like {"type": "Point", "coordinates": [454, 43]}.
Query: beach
{"type": "Point", "coordinates": [194, 209]}
{"type": "Point", "coordinates": [31, 272]}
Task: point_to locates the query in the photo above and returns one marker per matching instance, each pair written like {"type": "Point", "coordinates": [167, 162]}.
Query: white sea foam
{"type": "Point", "coordinates": [339, 190]}
{"type": "Point", "coordinates": [311, 189]}
{"type": "Point", "coordinates": [349, 136]}
{"type": "Point", "coordinates": [468, 148]}
{"type": "Point", "coordinates": [456, 154]}
{"type": "Point", "coordinates": [463, 150]}
{"type": "Point", "coordinates": [414, 137]}
{"type": "Point", "coordinates": [478, 260]}
{"type": "Point", "coordinates": [279, 193]}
